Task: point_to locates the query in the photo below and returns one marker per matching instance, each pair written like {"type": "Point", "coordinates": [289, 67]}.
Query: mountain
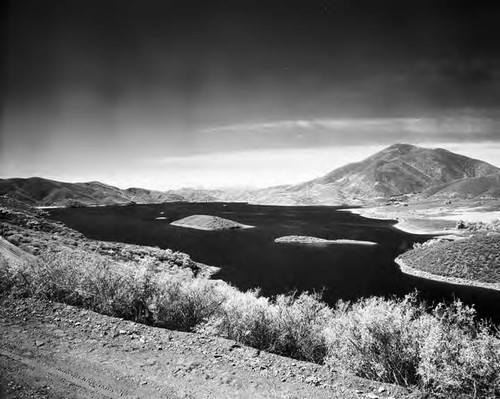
{"type": "Point", "coordinates": [395, 171]}
{"type": "Point", "coordinates": [401, 169]}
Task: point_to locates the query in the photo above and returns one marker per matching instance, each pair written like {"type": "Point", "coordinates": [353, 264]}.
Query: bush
{"type": "Point", "coordinates": [444, 352]}
{"type": "Point", "coordinates": [290, 325]}
{"type": "Point", "coordinates": [6, 275]}
{"type": "Point", "coordinates": [183, 303]}
{"type": "Point", "coordinates": [137, 291]}
{"type": "Point", "coordinates": [459, 356]}
{"type": "Point", "coordinates": [377, 339]}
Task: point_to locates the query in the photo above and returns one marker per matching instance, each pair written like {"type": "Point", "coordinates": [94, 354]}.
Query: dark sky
{"type": "Point", "coordinates": [88, 76]}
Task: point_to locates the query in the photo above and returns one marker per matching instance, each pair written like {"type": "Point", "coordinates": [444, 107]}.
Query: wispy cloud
{"type": "Point", "coordinates": [425, 125]}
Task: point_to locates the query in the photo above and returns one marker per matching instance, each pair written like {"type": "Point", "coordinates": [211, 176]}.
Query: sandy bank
{"type": "Point", "coordinates": [315, 240]}
{"type": "Point", "coordinates": [403, 224]}
{"type": "Point", "coordinates": [209, 223]}
{"type": "Point", "coordinates": [444, 279]}
{"type": "Point", "coordinates": [430, 218]}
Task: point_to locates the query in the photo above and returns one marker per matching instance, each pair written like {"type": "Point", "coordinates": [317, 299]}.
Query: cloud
{"type": "Point", "coordinates": [459, 124]}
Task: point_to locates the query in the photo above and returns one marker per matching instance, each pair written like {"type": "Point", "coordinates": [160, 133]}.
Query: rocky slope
{"type": "Point", "coordinates": [483, 187]}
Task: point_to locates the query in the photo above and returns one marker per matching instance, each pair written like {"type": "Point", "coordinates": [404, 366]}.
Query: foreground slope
{"type": "Point", "coordinates": [53, 350]}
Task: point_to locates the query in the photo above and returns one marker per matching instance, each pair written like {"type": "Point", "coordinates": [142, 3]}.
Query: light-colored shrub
{"type": "Point", "coordinates": [6, 275]}
{"type": "Point", "coordinates": [184, 302]}
{"type": "Point", "coordinates": [459, 356]}
{"type": "Point", "coordinates": [445, 352]}
{"type": "Point", "coordinates": [377, 338]}
{"type": "Point", "coordinates": [290, 325]}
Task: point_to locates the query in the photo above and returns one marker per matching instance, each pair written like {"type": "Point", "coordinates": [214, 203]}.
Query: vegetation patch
{"type": "Point", "coordinates": [475, 258]}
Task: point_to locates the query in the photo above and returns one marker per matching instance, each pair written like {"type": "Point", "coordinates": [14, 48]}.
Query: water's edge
{"type": "Point", "coordinates": [444, 279]}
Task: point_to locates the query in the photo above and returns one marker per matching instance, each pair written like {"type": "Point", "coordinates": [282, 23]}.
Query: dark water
{"type": "Point", "coordinates": [250, 258]}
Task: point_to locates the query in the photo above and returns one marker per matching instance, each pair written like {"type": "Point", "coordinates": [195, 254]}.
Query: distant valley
{"type": "Point", "coordinates": [401, 171]}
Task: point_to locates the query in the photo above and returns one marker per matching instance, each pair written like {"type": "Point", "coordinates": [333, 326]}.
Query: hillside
{"type": "Point", "coordinates": [472, 260]}
{"type": "Point", "coordinates": [483, 187]}
{"type": "Point", "coordinates": [401, 169]}
{"type": "Point", "coordinates": [37, 191]}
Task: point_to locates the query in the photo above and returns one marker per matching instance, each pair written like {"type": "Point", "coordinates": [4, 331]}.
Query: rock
{"type": "Point", "coordinates": [255, 353]}
{"type": "Point", "coordinates": [39, 343]}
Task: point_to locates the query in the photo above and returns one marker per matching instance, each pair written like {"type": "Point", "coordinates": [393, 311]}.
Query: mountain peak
{"type": "Point", "coordinates": [401, 147]}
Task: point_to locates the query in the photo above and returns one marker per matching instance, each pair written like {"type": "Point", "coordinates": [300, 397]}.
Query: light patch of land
{"type": "Point", "coordinates": [208, 222]}
{"type": "Point", "coordinates": [432, 218]}
{"type": "Point", "coordinates": [294, 239]}
{"type": "Point", "coordinates": [472, 215]}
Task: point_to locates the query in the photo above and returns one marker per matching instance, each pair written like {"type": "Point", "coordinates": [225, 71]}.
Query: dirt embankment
{"type": "Point", "coordinates": [50, 350]}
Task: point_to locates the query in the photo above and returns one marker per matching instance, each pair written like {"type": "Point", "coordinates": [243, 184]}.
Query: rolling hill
{"type": "Point", "coordinates": [43, 192]}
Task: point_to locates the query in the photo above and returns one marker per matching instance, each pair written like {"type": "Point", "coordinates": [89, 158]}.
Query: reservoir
{"type": "Point", "coordinates": [250, 258]}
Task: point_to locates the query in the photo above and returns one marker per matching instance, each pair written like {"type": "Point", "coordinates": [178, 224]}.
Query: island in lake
{"type": "Point", "coordinates": [208, 222]}
{"type": "Point", "coordinates": [294, 239]}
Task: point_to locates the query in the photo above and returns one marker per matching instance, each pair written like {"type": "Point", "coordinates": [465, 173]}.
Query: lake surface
{"type": "Point", "coordinates": [250, 258]}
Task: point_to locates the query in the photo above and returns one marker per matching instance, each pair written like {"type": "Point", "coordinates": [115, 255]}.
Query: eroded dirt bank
{"type": "Point", "coordinates": [50, 350]}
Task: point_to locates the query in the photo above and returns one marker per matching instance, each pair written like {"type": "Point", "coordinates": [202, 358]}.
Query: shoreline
{"type": "Point", "coordinates": [443, 279]}
{"type": "Point", "coordinates": [401, 224]}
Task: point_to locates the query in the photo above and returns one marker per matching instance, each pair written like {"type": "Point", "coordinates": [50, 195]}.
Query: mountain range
{"type": "Point", "coordinates": [401, 170]}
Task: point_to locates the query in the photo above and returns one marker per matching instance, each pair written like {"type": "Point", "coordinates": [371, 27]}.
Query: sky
{"type": "Point", "coordinates": [169, 94]}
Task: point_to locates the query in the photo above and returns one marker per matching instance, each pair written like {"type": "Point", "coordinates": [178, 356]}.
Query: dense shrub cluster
{"type": "Point", "coordinates": [290, 325]}
{"type": "Point", "coordinates": [476, 257]}
{"type": "Point", "coordinates": [444, 350]}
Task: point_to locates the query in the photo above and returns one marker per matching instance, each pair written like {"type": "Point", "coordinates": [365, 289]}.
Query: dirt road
{"type": "Point", "coordinates": [50, 350]}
